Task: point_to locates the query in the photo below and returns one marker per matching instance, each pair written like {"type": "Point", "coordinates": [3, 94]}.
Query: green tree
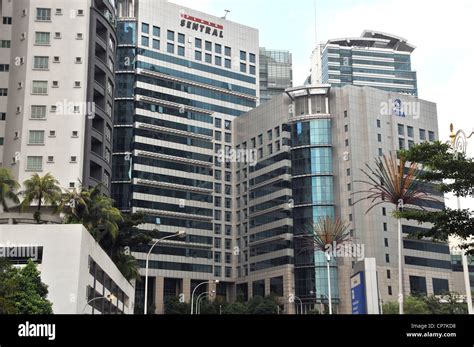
{"type": "Point", "coordinates": [21, 290]}
{"type": "Point", "coordinates": [441, 305]}
{"type": "Point", "coordinates": [236, 308]}
{"type": "Point", "coordinates": [263, 306]}
{"type": "Point", "coordinates": [43, 190]}
{"type": "Point", "coordinates": [174, 306]}
{"type": "Point", "coordinates": [448, 172]}
{"type": "Point", "coordinates": [8, 189]}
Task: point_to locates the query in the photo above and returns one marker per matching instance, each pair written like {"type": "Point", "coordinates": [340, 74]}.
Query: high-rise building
{"type": "Point", "coordinates": [183, 76]}
{"type": "Point", "coordinates": [312, 143]}
{"type": "Point", "coordinates": [276, 73]}
{"type": "Point", "coordinates": [375, 59]}
{"type": "Point", "coordinates": [60, 90]}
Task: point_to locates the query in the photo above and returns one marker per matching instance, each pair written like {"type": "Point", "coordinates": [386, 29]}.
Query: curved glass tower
{"type": "Point", "coordinates": [313, 187]}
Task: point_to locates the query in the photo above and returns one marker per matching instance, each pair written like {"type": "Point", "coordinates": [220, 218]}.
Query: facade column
{"type": "Point", "coordinates": [159, 297]}
{"type": "Point", "coordinates": [187, 290]}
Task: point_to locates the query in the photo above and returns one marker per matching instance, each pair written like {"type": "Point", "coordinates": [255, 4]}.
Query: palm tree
{"type": "Point", "coordinates": [43, 190]}
{"type": "Point", "coordinates": [326, 235]}
{"type": "Point", "coordinates": [393, 180]}
{"type": "Point", "coordinates": [8, 188]}
{"type": "Point", "coordinates": [92, 209]}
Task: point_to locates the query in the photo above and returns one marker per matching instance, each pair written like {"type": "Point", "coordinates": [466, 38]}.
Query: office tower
{"type": "Point", "coordinates": [60, 91]}
{"type": "Point", "coordinates": [183, 76]}
{"type": "Point", "coordinates": [312, 143]}
{"type": "Point", "coordinates": [5, 44]}
{"type": "Point", "coordinates": [375, 59]}
{"type": "Point", "coordinates": [276, 73]}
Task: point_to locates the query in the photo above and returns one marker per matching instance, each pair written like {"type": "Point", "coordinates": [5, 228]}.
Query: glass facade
{"type": "Point", "coordinates": [313, 194]}
{"type": "Point", "coordinates": [276, 73]}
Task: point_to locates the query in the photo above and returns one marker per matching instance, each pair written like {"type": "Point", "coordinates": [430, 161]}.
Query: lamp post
{"type": "Point", "coordinates": [180, 234]}
{"type": "Point", "coordinates": [315, 293]}
{"type": "Point", "coordinates": [459, 143]}
{"type": "Point", "coordinates": [192, 295]}
{"type": "Point", "coordinates": [329, 283]}
{"type": "Point", "coordinates": [301, 304]}
{"type": "Point", "coordinates": [109, 298]}
{"type": "Point", "coordinates": [199, 299]}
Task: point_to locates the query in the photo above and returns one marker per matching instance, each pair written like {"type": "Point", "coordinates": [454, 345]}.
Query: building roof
{"type": "Point", "coordinates": [375, 39]}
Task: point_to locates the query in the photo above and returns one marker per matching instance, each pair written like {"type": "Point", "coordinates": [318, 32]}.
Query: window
{"type": "Point", "coordinates": [80, 12]}
{"type": "Point", "coordinates": [379, 125]}
{"type": "Point", "coordinates": [243, 67]}
{"type": "Point", "coordinates": [2, 141]}
{"type": "Point", "coordinates": [79, 36]}
{"type": "Point", "coordinates": [7, 20]}
{"type": "Point", "coordinates": [218, 48]}
{"type": "Point", "coordinates": [422, 135]}
{"type": "Point", "coordinates": [346, 142]}
{"type": "Point", "coordinates": [346, 128]}
{"type": "Point", "coordinates": [198, 43]}
{"type": "Point", "coordinates": [73, 159]}
{"type": "Point", "coordinates": [380, 152]}
{"type": "Point", "coordinates": [218, 123]}
{"type": "Point", "coordinates": [401, 130]}
{"type": "Point", "coordinates": [75, 134]}
{"type": "Point", "coordinates": [260, 140]}
{"type": "Point", "coordinates": [78, 60]}
{"type": "Point", "coordinates": [345, 114]}
{"type": "Point", "coordinates": [418, 285]}
{"type": "Point", "coordinates": [156, 31]}
{"type": "Point", "coordinates": [208, 58]}
{"type": "Point", "coordinates": [208, 46]}
{"type": "Point", "coordinates": [56, 59]}
{"type": "Point", "coordinates": [145, 28]}
{"type": "Point", "coordinates": [40, 87]}
{"type": "Point", "coordinates": [3, 92]}
{"type": "Point", "coordinates": [34, 163]}
{"type": "Point", "coordinates": [228, 63]}
{"type": "Point", "coordinates": [170, 48]}
{"type": "Point", "coordinates": [36, 137]}
{"type": "Point", "coordinates": [4, 67]}
{"type": "Point", "coordinates": [52, 133]}
{"type": "Point", "coordinates": [431, 136]}
{"type": "Point", "coordinates": [145, 41]}
{"type": "Point", "coordinates": [270, 149]}
{"type": "Point", "coordinates": [217, 229]}
{"type": "Point", "coordinates": [385, 227]}
{"type": "Point", "coordinates": [243, 55]}
{"type": "Point", "coordinates": [401, 143]}
{"type": "Point", "coordinates": [411, 143]}
{"type": "Point", "coordinates": [218, 61]}
{"type": "Point", "coordinates": [228, 125]}
{"type": "Point", "coordinates": [57, 35]}
{"type": "Point", "coordinates": [170, 35]}
{"type": "Point", "coordinates": [156, 44]}
{"type": "Point", "coordinates": [55, 84]}
{"type": "Point", "coordinates": [348, 172]}
{"type": "Point", "coordinates": [181, 51]}
{"type": "Point", "coordinates": [386, 242]}
{"type": "Point", "coordinates": [59, 12]}
{"type": "Point", "coordinates": [410, 131]}
{"type": "Point", "coordinates": [3, 116]}
{"type": "Point", "coordinates": [384, 211]}
{"type": "Point", "coordinates": [440, 286]}
{"type": "Point", "coordinates": [252, 57]}
{"type": "Point", "coordinates": [198, 55]}
{"type": "Point", "coordinates": [43, 14]}
{"type": "Point", "coordinates": [38, 112]}
{"type": "Point", "coordinates": [228, 137]}
{"type": "Point", "coordinates": [270, 135]}
{"type": "Point", "coordinates": [42, 38]}
{"type": "Point", "coordinates": [228, 51]}
{"type": "Point", "coordinates": [5, 43]}
{"type": "Point", "coordinates": [387, 258]}
{"type": "Point", "coordinates": [181, 38]}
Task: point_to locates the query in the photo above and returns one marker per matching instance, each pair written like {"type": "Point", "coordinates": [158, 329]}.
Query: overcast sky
{"type": "Point", "coordinates": [442, 31]}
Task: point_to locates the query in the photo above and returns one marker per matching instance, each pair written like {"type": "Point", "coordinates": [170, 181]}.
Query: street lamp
{"type": "Point", "coordinates": [109, 298]}
{"type": "Point", "coordinates": [200, 297]}
{"type": "Point", "coordinates": [181, 234]}
{"type": "Point", "coordinates": [301, 303]}
{"type": "Point", "coordinates": [329, 283]}
{"type": "Point", "coordinates": [459, 143]}
{"type": "Point", "coordinates": [192, 295]}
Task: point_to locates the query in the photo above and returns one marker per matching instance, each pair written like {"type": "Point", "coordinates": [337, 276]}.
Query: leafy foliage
{"type": "Point", "coordinates": [8, 189]}
{"type": "Point", "coordinates": [325, 232]}
{"type": "Point", "coordinates": [444, 305]}
{"type": "Point", "coordinates": [21, 290]}
{"type": "Point", "coordinates": [452, 173]}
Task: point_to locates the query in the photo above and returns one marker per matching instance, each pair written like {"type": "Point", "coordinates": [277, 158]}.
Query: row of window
{"type": "Point", "coordinates": [44, 14]}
